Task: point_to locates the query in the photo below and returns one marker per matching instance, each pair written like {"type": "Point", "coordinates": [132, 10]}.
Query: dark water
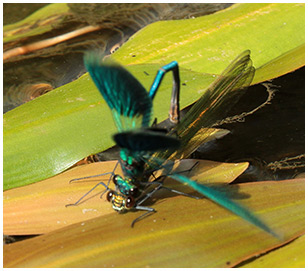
{"type": "Point", "coordinates": [273, 138]}
{"type": "Point", "coordinates": [13, 13]}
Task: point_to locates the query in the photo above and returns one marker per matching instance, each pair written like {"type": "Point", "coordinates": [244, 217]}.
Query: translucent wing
{"type": "Point", "coordinates": [129, 102]}
{"type": "Point", "coordinates": [215, 103]}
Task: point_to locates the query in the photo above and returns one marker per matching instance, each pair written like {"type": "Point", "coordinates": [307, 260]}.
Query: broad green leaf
{"type": "Point", "coordinates": [207, 43]}
{"type": "Point", "coordinates": [23, 206]}
{"type": "Point", "coordinates": [285, 63]}
{"type": "Point", "coordinates": [184, 232]}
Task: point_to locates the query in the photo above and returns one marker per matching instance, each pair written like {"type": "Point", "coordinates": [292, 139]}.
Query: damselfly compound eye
{"type": "Point", "coordinates": [109, 195]}
{"type": "Point", "coordinates": [115, 179]}
{"type": "Point", "coordinates": [130, 202]}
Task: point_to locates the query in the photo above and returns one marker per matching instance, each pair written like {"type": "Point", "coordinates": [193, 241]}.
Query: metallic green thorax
{"type": "Point", "coordinates": [133, 165]}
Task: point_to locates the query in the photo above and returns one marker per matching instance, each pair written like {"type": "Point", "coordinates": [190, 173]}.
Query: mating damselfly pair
{"type": "Point", "coordinates": [145, 149]}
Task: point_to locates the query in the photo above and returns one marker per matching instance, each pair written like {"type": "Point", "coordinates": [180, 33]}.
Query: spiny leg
{"type": "Point", "coordinates": [142, 208]}
{"type": "Point", "coordinates": [188, 170]}
{"type": "Point", "coordinates": [100, 183]}
{"type": "Point", "coordinates": [98, 175]}
{"type": "Point", "coordinates": [76, 203]}
{"type": "Point", "coordinates": [167, 174]}
{"type": "Point", "coordinates": [179, 192]}
{"type": "Point", "coordinates": [89, 177]}
{"type": "Point", "coordinates": [160, 186]}
{"type": "Point", "coordinates": [159, 166]}
{"type": "Point", "coordinates": [149, 195]}
{"type": "Point", "coordinates": [174, 112]}
{"type": "Point", "coordinates": [173, 190]}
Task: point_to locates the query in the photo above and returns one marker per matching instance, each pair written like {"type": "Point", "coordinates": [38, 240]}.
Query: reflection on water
{"type": "Point", "coordinates": [29, 92]}
{"type": "Point", "coordinates": [39, 71]}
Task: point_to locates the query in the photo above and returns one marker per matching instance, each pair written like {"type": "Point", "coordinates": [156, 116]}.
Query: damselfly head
{"type": "Point", "coordinates": [120, 203]}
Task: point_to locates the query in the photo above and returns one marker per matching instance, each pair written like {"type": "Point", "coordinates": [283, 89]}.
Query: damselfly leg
{"type": "Point", "coordinates": [142, 208]}
{"type": "Point", "coordinates": [174, 111]}
{"type": "Point", "coordinates": [95, 186]}
{"type": "Point", "coordinates": [157, 188]}
{"type": "Point", "coordinates": [150, 194]}
{"type": "Point", "coordinates": [187, 170]}
{"type": "Point", "coordinates": [160, 182]}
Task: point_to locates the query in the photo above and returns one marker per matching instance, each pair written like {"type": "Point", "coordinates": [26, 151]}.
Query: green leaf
{"type": "Point", "coordinates": [288, 62]}
{"type": "Point", "coordinates": [208, 43]}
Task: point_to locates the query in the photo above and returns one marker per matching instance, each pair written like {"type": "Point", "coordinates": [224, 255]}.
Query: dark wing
{"type": "Point", "coordinates": [128, 100]}
{"type": "Point", "coordinates": [146, 141]}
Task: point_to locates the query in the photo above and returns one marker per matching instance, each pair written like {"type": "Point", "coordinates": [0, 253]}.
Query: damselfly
{"type": "Point", "coordinates": [144, 150]}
